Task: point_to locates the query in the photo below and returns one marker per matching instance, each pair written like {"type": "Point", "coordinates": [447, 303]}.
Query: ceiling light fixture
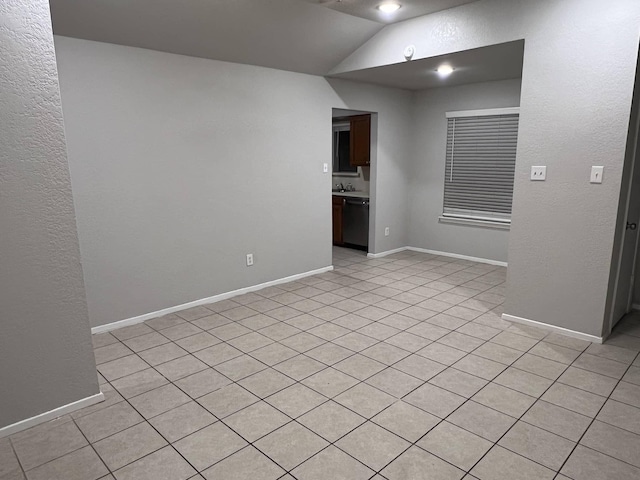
{"type": "Point", "coordinates": [389, 7]}
{"type": "Point", "coordinates": [445, 70]}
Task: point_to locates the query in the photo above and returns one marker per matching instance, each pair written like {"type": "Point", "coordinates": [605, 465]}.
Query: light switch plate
{"type": "Point", "coordinates": [596, 174]}
{"type": "Point", "coordinates": [325, 168]}
{"type": "Point", "coordinates": [538, 173]}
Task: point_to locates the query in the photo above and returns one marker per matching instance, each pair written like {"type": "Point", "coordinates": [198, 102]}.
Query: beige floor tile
{"type": "Point", "coordinates": [209, 445]}
{"type": "Point", "coordinates": [613, 441]}
{"type": "Point", "coordinates": [365, 400]}
{"type": "Point", "coordinates": [461, 341]}
{"type": "Point", "coordinates": [511, 340]}
{"type": "Point", "coordinates": [139, 382]}
{"type": "Point", "coordinates": [247, 464]}
{"type": "Point", "coordinates": [632, 375]}
{"type": "Point", "coordinates": [408, 341]}
{"type": "Point", "coordinates": [503, 399]}
{"type": "Point", "coordinates": [227, 400]}
{"type": "Point", "coordinates": [601, 365]}
{"type": "Point", "coordinates": [166, 321]}
{"type": "Point", "coordinates": [479, 367]}
{"type": "Point", "coordinates": [540, 366]}
{"type": "Point", "coordinates": [82, 464]}
{"type": "Point", "coordinates": [394, 382]}
{"type": "Point", "coordinates": [501, 464]}
{"type": "Point", "coordinates": [274, 354]}
{"type": "Point", "coordinates": [587, 464]}
{"type": "Point", "coordinates": [355, 341]}
{"type": "Point", "coordinates": [627, 393]}
{"type": "Point", "coordinates": [131, 331]}
{"type": "Point", "coordinates": [240, 367]}
{"type": "Point", "coordinates": [145, 342]}
{"type": "Point", "coordinates": [538, 445]}
{"type": "Point", "coordinates": [589, 381]}
{"type": "Point", "coordinates": [203, 382]}
{"type": "Point", "coordinates": [458, 382]}
{"type": "Point", "coordinates": [122, 367]}
{"type": "Point", "coordinates": [230, 331]}
{"type": "Point", "coordinates": [111, 397]}
{"type": "Point", "coordinates": [481, 420]}
{"type": "Point", "coordinates": [180, 331]}
{"type": "Point", "coordinates": [329, 353]}
{"type": "Point", "coordinates": [419, 367]}
{"type": "Point", "coordinates": [300, 367]}
{"type": "Point", "coordinates": [406, 421]}
{"type": "Point", "coordinates": [47, 442]}
{"type": "Point", "coordinates": [621, 415]}
{"type": "Point", "coordinates": [385, 353]}
{"type": "Point", "coordinates": [523, 382]}
{"type": "Point", "coordinates": [197, 342]}
{"type": "Point", "coordinates": [416, 464]}
{"type": "Point", "coordinates": [498, 353]}
{"type": "Point", "coordinates": [302, 342]}
{"type": "Point", "coordinates": [330, 382]}
{"type": "Point", "coordinates": [108, 421]}
{"type": "Point", "coordinates": [9, 465]}
{"type": "Point", "coordinates": [296, 400]}
{"type": "Point", "coordinates": [103, 339]}
{"type": "Point", "coordinates": [217, 354]}
{"type": "Point", "coordinates": [164, 353]}
{"type": "Point", "coordinates": [266, 382]}
{"type": "Point", "coordinates": [558, 420]}
{"type": "Point", "coordinates": [129, 445]}
{"type": "Point", "coordinates": [574, 399]}
{"type": "Point", "coordinates": [455, 445]}
{"type": "Point", "coordinates": [181, 367]}
{"type": "Point", "coordinates": [111, 352]}
{"type": "Point", "coordinates": [434, 400]}
{"type": "Point", "coordinates": [159, 400]}
{"type": "Point", "coordinates": [479, 331]}
{"type": "Point", "coordinates": [182, 421]}
{"type": "Point", "coordinates": [194, 313]}
{"type": "Point", "coordinates": [372, 445]}
{"type": "Point", "coordinates": [211, 321]}
{"type": "Point", "coordinates": [359, 366]}
{"type": "Point", "coordinates": [291, 445]}
{"type": "Point", "coordinates": [612, 352]}
{"type": "Point", "coordinates": [331, 420]}
{"type": "Point", "coordinates": [565, 341]}
{"type": "Point", "coordinates": [165, 464]}
{"type": "Point", "coordinates": [256, 421]}
{"type": "Point", "coordinates": [441, 353]}
{"type": "Point", "coordinates": [424, 330]}
{"type": "Point", "coordinates": [334, 464]}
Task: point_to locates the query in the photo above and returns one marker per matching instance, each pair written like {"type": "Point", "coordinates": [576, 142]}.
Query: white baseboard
{"type": "Point", "coordinates": [388, 252]}
{"type": "Point", "coordinates": [457, 255]}
{"type": "Point", "coordinates": [553, 328]}
{"type": "Point", "coordinates": [51, 415]}
{"type": "Point", "coordinates": [203, 301]}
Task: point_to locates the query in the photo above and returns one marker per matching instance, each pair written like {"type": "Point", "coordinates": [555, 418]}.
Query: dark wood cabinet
{"type": "Point", "coordinates": [337, 211]}
{"type": "Point", "coordinates": [360, 147]}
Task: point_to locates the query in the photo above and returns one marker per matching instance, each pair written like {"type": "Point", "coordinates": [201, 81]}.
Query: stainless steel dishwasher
{"type": "Point", "coordinates": [356, 222]}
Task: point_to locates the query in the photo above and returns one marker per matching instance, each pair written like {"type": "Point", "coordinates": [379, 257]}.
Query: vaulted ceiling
{"type": "Point", "coordinates": [307, 36]}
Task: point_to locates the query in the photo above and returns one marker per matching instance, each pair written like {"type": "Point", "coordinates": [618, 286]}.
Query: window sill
{"type": "Point", "coordinates": [474, 222]}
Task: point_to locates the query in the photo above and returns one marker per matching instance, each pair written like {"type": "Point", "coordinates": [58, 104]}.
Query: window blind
{"type": "Point", "coordinates": [480, 165]}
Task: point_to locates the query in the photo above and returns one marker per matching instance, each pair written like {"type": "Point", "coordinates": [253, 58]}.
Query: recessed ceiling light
{"type": "Point", "coordinates": [388, 7]}
{"type": "Point", "coordinates": [445, 70]}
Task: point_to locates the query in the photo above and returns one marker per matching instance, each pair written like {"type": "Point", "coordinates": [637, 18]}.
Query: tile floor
{"type": "Point", "coordinates": [394, 368]}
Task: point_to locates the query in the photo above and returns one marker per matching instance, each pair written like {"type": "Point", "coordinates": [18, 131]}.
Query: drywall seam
{"type": "Point", "coordinates": [203, 301]}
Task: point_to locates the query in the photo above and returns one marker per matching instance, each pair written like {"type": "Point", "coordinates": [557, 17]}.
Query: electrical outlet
{"type": "Point", "coordinates": [386, 232]}
{"type": "Point", "coordinates": [538, 173]}
{"type": "Point", "coordinates": [325, 168]}
{"type": "Point", "coordinates": [249, 259]}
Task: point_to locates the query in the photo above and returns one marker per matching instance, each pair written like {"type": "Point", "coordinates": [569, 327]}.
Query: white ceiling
{"type": "Point", "coordinates": [409, 8]}
{"type": "Point", "coordinates": [496, 62]}
{"type": "Point", "coordinates": [285, 34]}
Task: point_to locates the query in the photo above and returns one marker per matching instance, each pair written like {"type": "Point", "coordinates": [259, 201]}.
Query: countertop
{"type": "Point", "coordinates": [351, 194]}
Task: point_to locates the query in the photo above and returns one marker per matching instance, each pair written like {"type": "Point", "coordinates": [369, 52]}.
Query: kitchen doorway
{"type": "Point", "coordinates": [624, 288]}
{"type": "Point", "coordinates": [354, 152]}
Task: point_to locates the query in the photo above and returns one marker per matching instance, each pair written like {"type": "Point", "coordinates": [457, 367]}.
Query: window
{"type": "Point", "coordinates": [480, 166]}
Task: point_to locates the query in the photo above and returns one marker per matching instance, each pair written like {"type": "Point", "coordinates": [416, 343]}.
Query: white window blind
{"type": "Point", "coordinates": [480, 164]}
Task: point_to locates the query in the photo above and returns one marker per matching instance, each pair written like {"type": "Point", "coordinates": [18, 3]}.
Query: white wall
{"type": "Point", "coordinates": [46, 357]}
{"type": "Point", "coordinates": [181, 166]}
{"type": "Point", "coordinates": [426, 182]}
{"type": "Point", "coordinates": [574, 113]}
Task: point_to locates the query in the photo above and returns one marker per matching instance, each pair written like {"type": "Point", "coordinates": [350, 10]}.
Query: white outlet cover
{"type": "Point", "coordinates": [325, 167]}
{"type": "Point", "coordinates": [538, 173]}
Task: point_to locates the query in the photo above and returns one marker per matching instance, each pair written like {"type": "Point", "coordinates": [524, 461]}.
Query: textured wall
{"type": "Point", "coordinates": [577, 84]}
{"type": "Point", "coordinates": [46, 359]}
{"type": "Point", "coordinates": [181, 166]}
{"type": "Point", "coordinates": [426, 184]}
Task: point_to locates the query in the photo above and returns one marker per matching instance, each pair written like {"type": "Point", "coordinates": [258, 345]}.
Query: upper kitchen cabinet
{"type": "Point", "coordinates": [360, 145]}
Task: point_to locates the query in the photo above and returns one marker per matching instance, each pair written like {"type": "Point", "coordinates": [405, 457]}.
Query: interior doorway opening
{"type": "Point", "coordinates": [354, 156]}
